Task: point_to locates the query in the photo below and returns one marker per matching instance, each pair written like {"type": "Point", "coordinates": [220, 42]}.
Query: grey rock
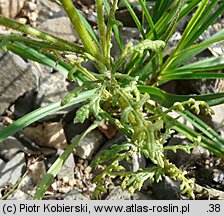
{"type": "Point", "coordinates": [2, 126]}
{"type": "Point", "coordinates": [218, 176]}
{"type": "Point", "coordinates": [13, 170]}
{"type": "Point", "coordinates": [11, 146]}
{"type": "Point", "coordinates": [11, 8]}
{"type": "Point", "coordinates": [17, 78]}
{"type": "Point", "coordinates": [19, 195]}
{"type": "Point", "coordinates": [217, 118]}
{"type": "Point", "coordinates": [199, 152]}
{"type": "Point", "coordinates": [60, 27]}
{"type": "Point", "coordinates": [72, 129]}
{"type": "Point", "coordinates": [138, 162]}
{"type": "Point", "coordinates": [67, 170]}
{"type": "Point", "coordinates": [48, 5]}
{"type": "Point", "coordinates": [167, 189]}
{"type": "Point", "coordinates": [24, 104]}
{"type": "Point", "coordinates": [142, 196]}
{"type": "Point", "coordinates": [35, 174]}
{"type": "Point", "coordinates": [75, 195]}
{"type": "Point", "coordinates": [117, 139]}
{"type": "Point", "coordinates": [118, 194]}
{"type": "Point", "coordinates": [92, 17]}
{"type": "Point", "coordinates": [2, 164]}
{"type": "Point", "coordinates": [52, 88]}
{"type": "Point", "coordinates": [125, 17]}
{"type": "Point", "coordinates": [90, 144]}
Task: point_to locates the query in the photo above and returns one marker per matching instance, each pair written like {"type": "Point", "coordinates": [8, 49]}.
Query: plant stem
{"type": "Point", "coordinates": [109, 29]}
{"type": "Point", "coordinates": [40, 34]}
{"type": "Point", "coordinates": [81, 30]}
{"type": "Point", "coordinates": [101, 26]}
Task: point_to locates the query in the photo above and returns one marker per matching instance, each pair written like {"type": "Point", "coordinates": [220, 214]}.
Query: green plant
{"type": "Point", "coordinates": [126, 91]}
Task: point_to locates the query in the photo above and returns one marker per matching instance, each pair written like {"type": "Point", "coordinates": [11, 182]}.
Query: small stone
{"type": "Point", "coordinates": [81, 161]}
{"type": "Point", "coordinates": [54, 186]}
{"type": "Point", "coordinates": [22, 20]}
{"type": "Point", "coordinates": [78, 175]}
{"type": "Point", "coordinates": [72, 182]}
{"type": "Point", "coordinates": [218, 176]}
{"type": "Point", "coordinates": [79, 183]}
{"type": "Point", "coordinates": [87, 170]}
{"type": "Point", "coordinates": [32, 6]}
{"type": "Point", "coordinates": [199, 152]}
{"type": "Point", "coordinates": [65, 179]}
{"type": "Point", "coordinates": [33, 16]}
{"type": "Point", "coordinates": [64, 190]}
{"type": "Point", "coordinates": [86, 162]}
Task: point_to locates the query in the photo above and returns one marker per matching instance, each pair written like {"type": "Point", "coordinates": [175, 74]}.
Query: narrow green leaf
{"type": "Point", "coordinates": [167, 99]}
{"type": "Point", "coordinates": [192, 24]}
{"type": "Point", "coordinates": [161, 7]}
{"type": "Point", "coordinates": [189, 75]}
{"type": "Point", "coordinates": [208, 64]}
{"type": "Point", "coordinates": [41, 113]}
{"type": "Point", "coordinates": [184, 55]}
{"type": "Point", "coordinates": [149, 18]}
{"type": "Point", "coordinates": [207, 21]}
{"type": "Point", "coordinates": [192, 135]}
{"type": "Point", "coordinates": [135, 18]}
{"type": "Point", "coordinates": [204, 128]}
{"type": "Point", "coordinates": [32, 54]}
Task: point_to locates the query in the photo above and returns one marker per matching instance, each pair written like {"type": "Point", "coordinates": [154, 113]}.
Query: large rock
{"type": "Point", "coordinates": [52, 88]}
{"type": "Point", "coordinates": [218, 118]}
{"type": "Point", "coordinates": [36, 172]}
{"type": "Point", "coordinates": [60, 27]}
{"type": "Point", "coordinates": [167, 189]}
{"type": "Point", "coordinates": [48, 134]}
{"type": "Point", "coordinates": [67, 171]}
{"type": "Point", "coordinates": [11, 146]}
{"type": "Point", "coordinates": [90, 144]}
{"type": "Point", "coordinates": [19, 195]}
{"type": "Point", "coordinates": [118, 194]}
{"type": "Point", "coordinates": [13, 170]}
{"type": "Point", "coordinates": [11, 8]}
{"type": "Point", "coordinates": [17, 78]}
